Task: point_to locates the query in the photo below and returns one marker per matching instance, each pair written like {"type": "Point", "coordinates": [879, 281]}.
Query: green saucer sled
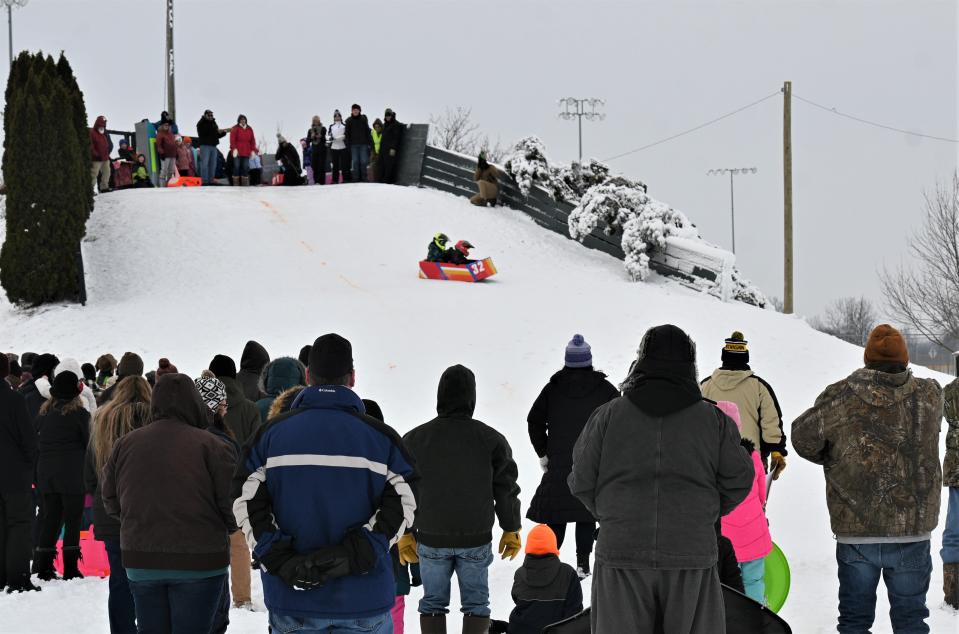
{"type": "Point", "coordinates": [777, 579]}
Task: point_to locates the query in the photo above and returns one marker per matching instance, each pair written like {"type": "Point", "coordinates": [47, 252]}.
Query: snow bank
{"type": "Point", "coordinates": [190, 273]}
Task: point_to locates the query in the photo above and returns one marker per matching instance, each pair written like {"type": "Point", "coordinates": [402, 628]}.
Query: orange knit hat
{"type": "Point", "coordinates": [541, 541]}
{"type": "Point", "coordinates": [886, 345]}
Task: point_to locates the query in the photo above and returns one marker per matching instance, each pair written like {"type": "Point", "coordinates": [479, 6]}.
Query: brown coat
{"type": "Point", "coordinates": [486, 180]}
{"type": "Point", "coordinates": [169, 485]}
{"type": "Point", "coordinates": [950, 466]}
{"type": "Point", "coordinates": [876, 434]}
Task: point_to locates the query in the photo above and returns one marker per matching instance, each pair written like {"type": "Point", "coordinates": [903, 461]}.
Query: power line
{"type": "Point", "coordinates": [699, 127]}
{"type": "Point", "coordinates": [873, 123]}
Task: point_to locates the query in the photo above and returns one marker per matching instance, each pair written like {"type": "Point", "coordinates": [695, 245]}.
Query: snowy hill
{"type": "Point", "coordinates": [190, 273]}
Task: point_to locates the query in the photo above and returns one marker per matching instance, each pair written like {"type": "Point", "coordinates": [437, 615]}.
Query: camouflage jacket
{"type": "Point", "coordinates": [950, 466]}
{"type": "Point", "coordinates": [877, 437]}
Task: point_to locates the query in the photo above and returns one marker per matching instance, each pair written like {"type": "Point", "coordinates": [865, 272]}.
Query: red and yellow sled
{"type": "Point", "coordinates": [473, 272]}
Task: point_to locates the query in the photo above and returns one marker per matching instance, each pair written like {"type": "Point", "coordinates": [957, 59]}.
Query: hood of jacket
{"type": "Point", "coordinates": [281, 374]}
{"type": "Point", "coordinates": [881, 389]}
{"type": "Point", "coordinates": [175, 397]}
{"type": "Point", "coordinates": [456, 394]}
{"type": "Point", "coordinates": [101, 122]}
{"type": "Point", "coordinates": [577, 382]}
{"type": "Point", "coordinates": [727, 380]}
{"type": "Point", "coordinates": [254, 357]}
{"type": "Point", "coordinates": [539, 571]}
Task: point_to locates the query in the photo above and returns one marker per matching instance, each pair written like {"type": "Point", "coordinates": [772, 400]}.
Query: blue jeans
{"type": "Point", "coordinates": [361, 158]}
{"type": "Point", "coordinates": [471, 566]}
{"type": "Point", "coordinates": [905, 568]}
{"type": "Point", "coordinates": [754, 579]}
{"type": "Point", "coordinates": [207, 163]}
{"type": "Point", "coordinates": [950, 535]}
{"type": "Point", "coordinates": [123, 616]}
{"type": "Point", "coordinates": [281, 624]}
{"type": "Point", "coordinates": [176, 606]}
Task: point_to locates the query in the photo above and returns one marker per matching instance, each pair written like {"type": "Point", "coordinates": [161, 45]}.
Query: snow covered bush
{"type": "Point", "coordinates": [528, 165]}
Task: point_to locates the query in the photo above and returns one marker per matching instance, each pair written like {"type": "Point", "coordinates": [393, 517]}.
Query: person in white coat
{"type": "Point", "coordinates": [86, 395]}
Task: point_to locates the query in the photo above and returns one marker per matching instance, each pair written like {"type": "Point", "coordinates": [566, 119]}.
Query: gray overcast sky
{"type": "Point", "coordinates": [662, 67]}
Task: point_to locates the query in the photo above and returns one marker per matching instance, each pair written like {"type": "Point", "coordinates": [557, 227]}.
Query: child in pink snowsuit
{"type": "Point", "coordinates": [746, 527]}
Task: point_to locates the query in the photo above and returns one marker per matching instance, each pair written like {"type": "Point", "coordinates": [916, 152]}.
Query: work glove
{"type": "Point", "coordinates": [510, 545]}
{"type": "Point", "coordinates": [236, 153]}
{"type": "Point", "coordinates": [392, 152]}
{"type": "Point", "coordinates": [543, 462]}
{"type": "Point", "coordinates": [407, 549]}
{"type": "Point", "coordinates": [777, 464]}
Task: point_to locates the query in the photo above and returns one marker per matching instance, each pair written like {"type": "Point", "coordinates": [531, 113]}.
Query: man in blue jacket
{"type": "Point", "coordinates": [321, 497]}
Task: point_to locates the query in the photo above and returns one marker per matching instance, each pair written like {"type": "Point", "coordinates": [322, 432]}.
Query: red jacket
{"type": "Point", "coordinates": [242, 140]}
{"type": "Point", "coordinates": [99, 146]}
{"type": "Point", "coordinates": [166, 145]}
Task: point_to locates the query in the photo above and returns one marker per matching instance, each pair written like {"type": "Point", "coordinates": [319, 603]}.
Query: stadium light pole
{"type": "Point", "coordinates": [170, 84]}
{"type": "Point", "coordinates": [732, 171]}
{"type": "Point", "coordinates": [580, 109]}
{"type": "Point", "coordinates": [10, 4]}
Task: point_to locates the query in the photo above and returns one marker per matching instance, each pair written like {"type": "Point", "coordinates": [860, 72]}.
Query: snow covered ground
{"type": "Point", "coordinates": [190, 273]}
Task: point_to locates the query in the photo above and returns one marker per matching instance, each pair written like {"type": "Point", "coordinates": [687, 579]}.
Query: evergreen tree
{"type": "Point", "coordinates": [47, 205]}
{"type": "Point", "coordinates": [79, 109]}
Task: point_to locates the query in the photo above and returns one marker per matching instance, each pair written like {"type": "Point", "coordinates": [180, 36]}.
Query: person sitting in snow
{"type": "Point", "coordinates": [141, 178]}
{"type": "Point", "coordinates": [460, 253]}
{"type": "Point", "coordinates": [437, 251]}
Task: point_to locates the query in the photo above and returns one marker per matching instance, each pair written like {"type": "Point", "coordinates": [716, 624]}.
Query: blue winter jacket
{"type": "Point", "coordinates": [312, 475]}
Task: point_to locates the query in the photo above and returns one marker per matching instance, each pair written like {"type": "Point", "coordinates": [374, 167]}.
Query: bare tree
{"type": "Point", "coordinates": [456, 131]}
{"type": "Point", "coordinates": [926, 296]}
{"type": "Point", "coordinates": [848, 318]}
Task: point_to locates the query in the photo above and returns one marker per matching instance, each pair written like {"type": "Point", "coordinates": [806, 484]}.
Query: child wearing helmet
{"type": "Point", "coordinates": [437, 251]}
{"type": "Point", "coordinates": [460, 253]}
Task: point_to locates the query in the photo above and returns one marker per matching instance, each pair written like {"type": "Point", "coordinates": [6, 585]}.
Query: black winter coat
{"type": "Point", "coordinates": [466, 470]}
{"type": "Point", "coordinates": [555, 422]}
{"type": "Point", "coordinates": [18, 441]}
{"type": "Point", "coordinates": [545, 591]}
{"type": "Point", "coordinates": [34, 400]}
{"type": "Point", "coordinates": [392, 137]}
{"type": "Point", "coordinates": [290, 158]}
{"type": "Point", "coordinates": [252, 361]}
{"type": "Point", "coordinates": [63, 435]}
{"type": "Point", "coordinates": [208, 132]}
{"type": "Point", "coordinates": [358, 131]}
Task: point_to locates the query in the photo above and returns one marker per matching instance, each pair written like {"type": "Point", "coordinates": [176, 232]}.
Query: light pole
{"type": "Point", "coordinates": [170, 87]}
{"type": "Point", "coordinates": [10, 4]}
{"type": "Point", "coordinates": [732, 171]}
{"type": "Point", "coordinates": [577, 108]}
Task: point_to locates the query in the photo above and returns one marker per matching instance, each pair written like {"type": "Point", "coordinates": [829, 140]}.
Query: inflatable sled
{"type": "Point", "coordinates": [743, 616]}
{"type": "Point", "coordinates": [93, 557]}
{"type": "Point", "coordinates": [475, 271]}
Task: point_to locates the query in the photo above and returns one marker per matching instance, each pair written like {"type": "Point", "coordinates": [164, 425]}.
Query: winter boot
{"type": "Point", "coordinates": [245, 181]}
{"type": "Point", "coordinates": [950, 584]}
{"type": "Point", "coordinates": [44, 559]}
{"type": "Point", "coordinates": [71, 557]}
{"type": "Point", "coordinates": [582, 566]}
{"type": "Point", "coordinates": [236, 181]}
{"type": "Point", "coordinates": [21, 585]}
{"type": "Point", "coordinates": [433, 623]}
{"type": "Point", "coordinates": [475, 624]}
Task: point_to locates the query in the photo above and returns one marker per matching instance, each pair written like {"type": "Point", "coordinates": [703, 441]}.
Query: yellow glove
{"type": "Point", "coordinates": [777, 464]}
{"type": "Point", "coordinates": [510, 545]}
{"type": "Point", "coordinates": [407, 548]}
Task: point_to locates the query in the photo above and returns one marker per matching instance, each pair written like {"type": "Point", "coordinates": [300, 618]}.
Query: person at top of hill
{"type": "Point", "coordinates": [322, 494]}
{"type": "Point", "coordinates": [556, 420]}
{"type": "Point", "coordinates": [436, 251]}
{"type": "Point", "coordinates": [876, 434]}
{"type": "Point", "coordinates": [100, 154]}
{"type": "Point", "coordinates": [289, 160]}
{"type": "Point", "coordinates": [486, 180]}
{"type": "Point", "coordinates": [359, 140]}
{"type": "Point", "coordinates": [376, 134]}
{"type": "Point", "coordinates": [950, 479]}
{"type": "Point", "coordinates": [242, 147]}
{"type": "Point", "coordinates": [762, 418]}
{"type": "Point", "coordinates": [316, 140]}
{"type": "Point", "coordinates": [185, 163]}
{"type": "Point", "coordinates": [125, 152]}
{"type": "Point", "coordinates": [167, 152]}
{"type": "Point", "coordinates": [657, 468]}
{"type": "Point", "coordinates": [460, 253]}
{"type": "Point", "coordinates": [467, 482]}
{"type": "Point", "coordinates": [252, 361]}
{"type": "Point", "coordinates": [746, 527]}
{"type": "Point", "coordinates": [166, 118]}
{"type": "Point", "coordinates": [209, 135]}
{"type": "Point", "coordinates": [390, 146]}
{"type": "Point", "coordinates": [336, 140]}
{"type": "Point", "coordinates": [141, 177]}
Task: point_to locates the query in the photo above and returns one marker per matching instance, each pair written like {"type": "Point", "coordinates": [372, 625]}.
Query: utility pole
{"type": "Point", "coordinates": [788, 197]}
{"type": "Point", "coordinates": [10, 4]}
{"type": "Point", "coordinates": [732, 171]}
{"type": "Point", "coordinates": [576, 108]}
{"type": "Point", "coordinates": [170, 84]}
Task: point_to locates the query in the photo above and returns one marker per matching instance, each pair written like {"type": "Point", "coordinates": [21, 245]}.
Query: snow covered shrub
{"type": "Point", "coordinates": [579, 177]}
{"type": "Point", "coordinates": [528, 165]}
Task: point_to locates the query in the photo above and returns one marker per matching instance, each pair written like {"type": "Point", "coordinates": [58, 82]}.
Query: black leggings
{"type": "Point", "coordinates": [584, 536]}
{"type": "Point", "coordinates": [341, 165]}
{"type": "Point", "coordinates": [318, 161]}
{"type": "Point", "coordinates": [61, 509]}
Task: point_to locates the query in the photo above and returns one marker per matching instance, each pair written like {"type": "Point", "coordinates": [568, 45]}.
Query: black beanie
{"type": "Point", "coordinates": [330, 357]}
{"type": "Point", "coordinates": [304, 355]}
{"type": "Point", "coordinates": [66, 386]}
{"type": "Point", "coordinates": [44, 364]}
{"type": "Point", "coordinates": [89, 372]}
{"type": "Point", "coordinates": [667, 350]}
{"type": "Point", "coordinates": [223, 366]}
{"type": "Point", "coordinates": [373, 409]}
{"type": "Point", "coordinates": [735, 354]}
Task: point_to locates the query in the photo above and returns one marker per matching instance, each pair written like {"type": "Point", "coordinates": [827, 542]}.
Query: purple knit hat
{"type": "Point", "coordinates": [578, 353]}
